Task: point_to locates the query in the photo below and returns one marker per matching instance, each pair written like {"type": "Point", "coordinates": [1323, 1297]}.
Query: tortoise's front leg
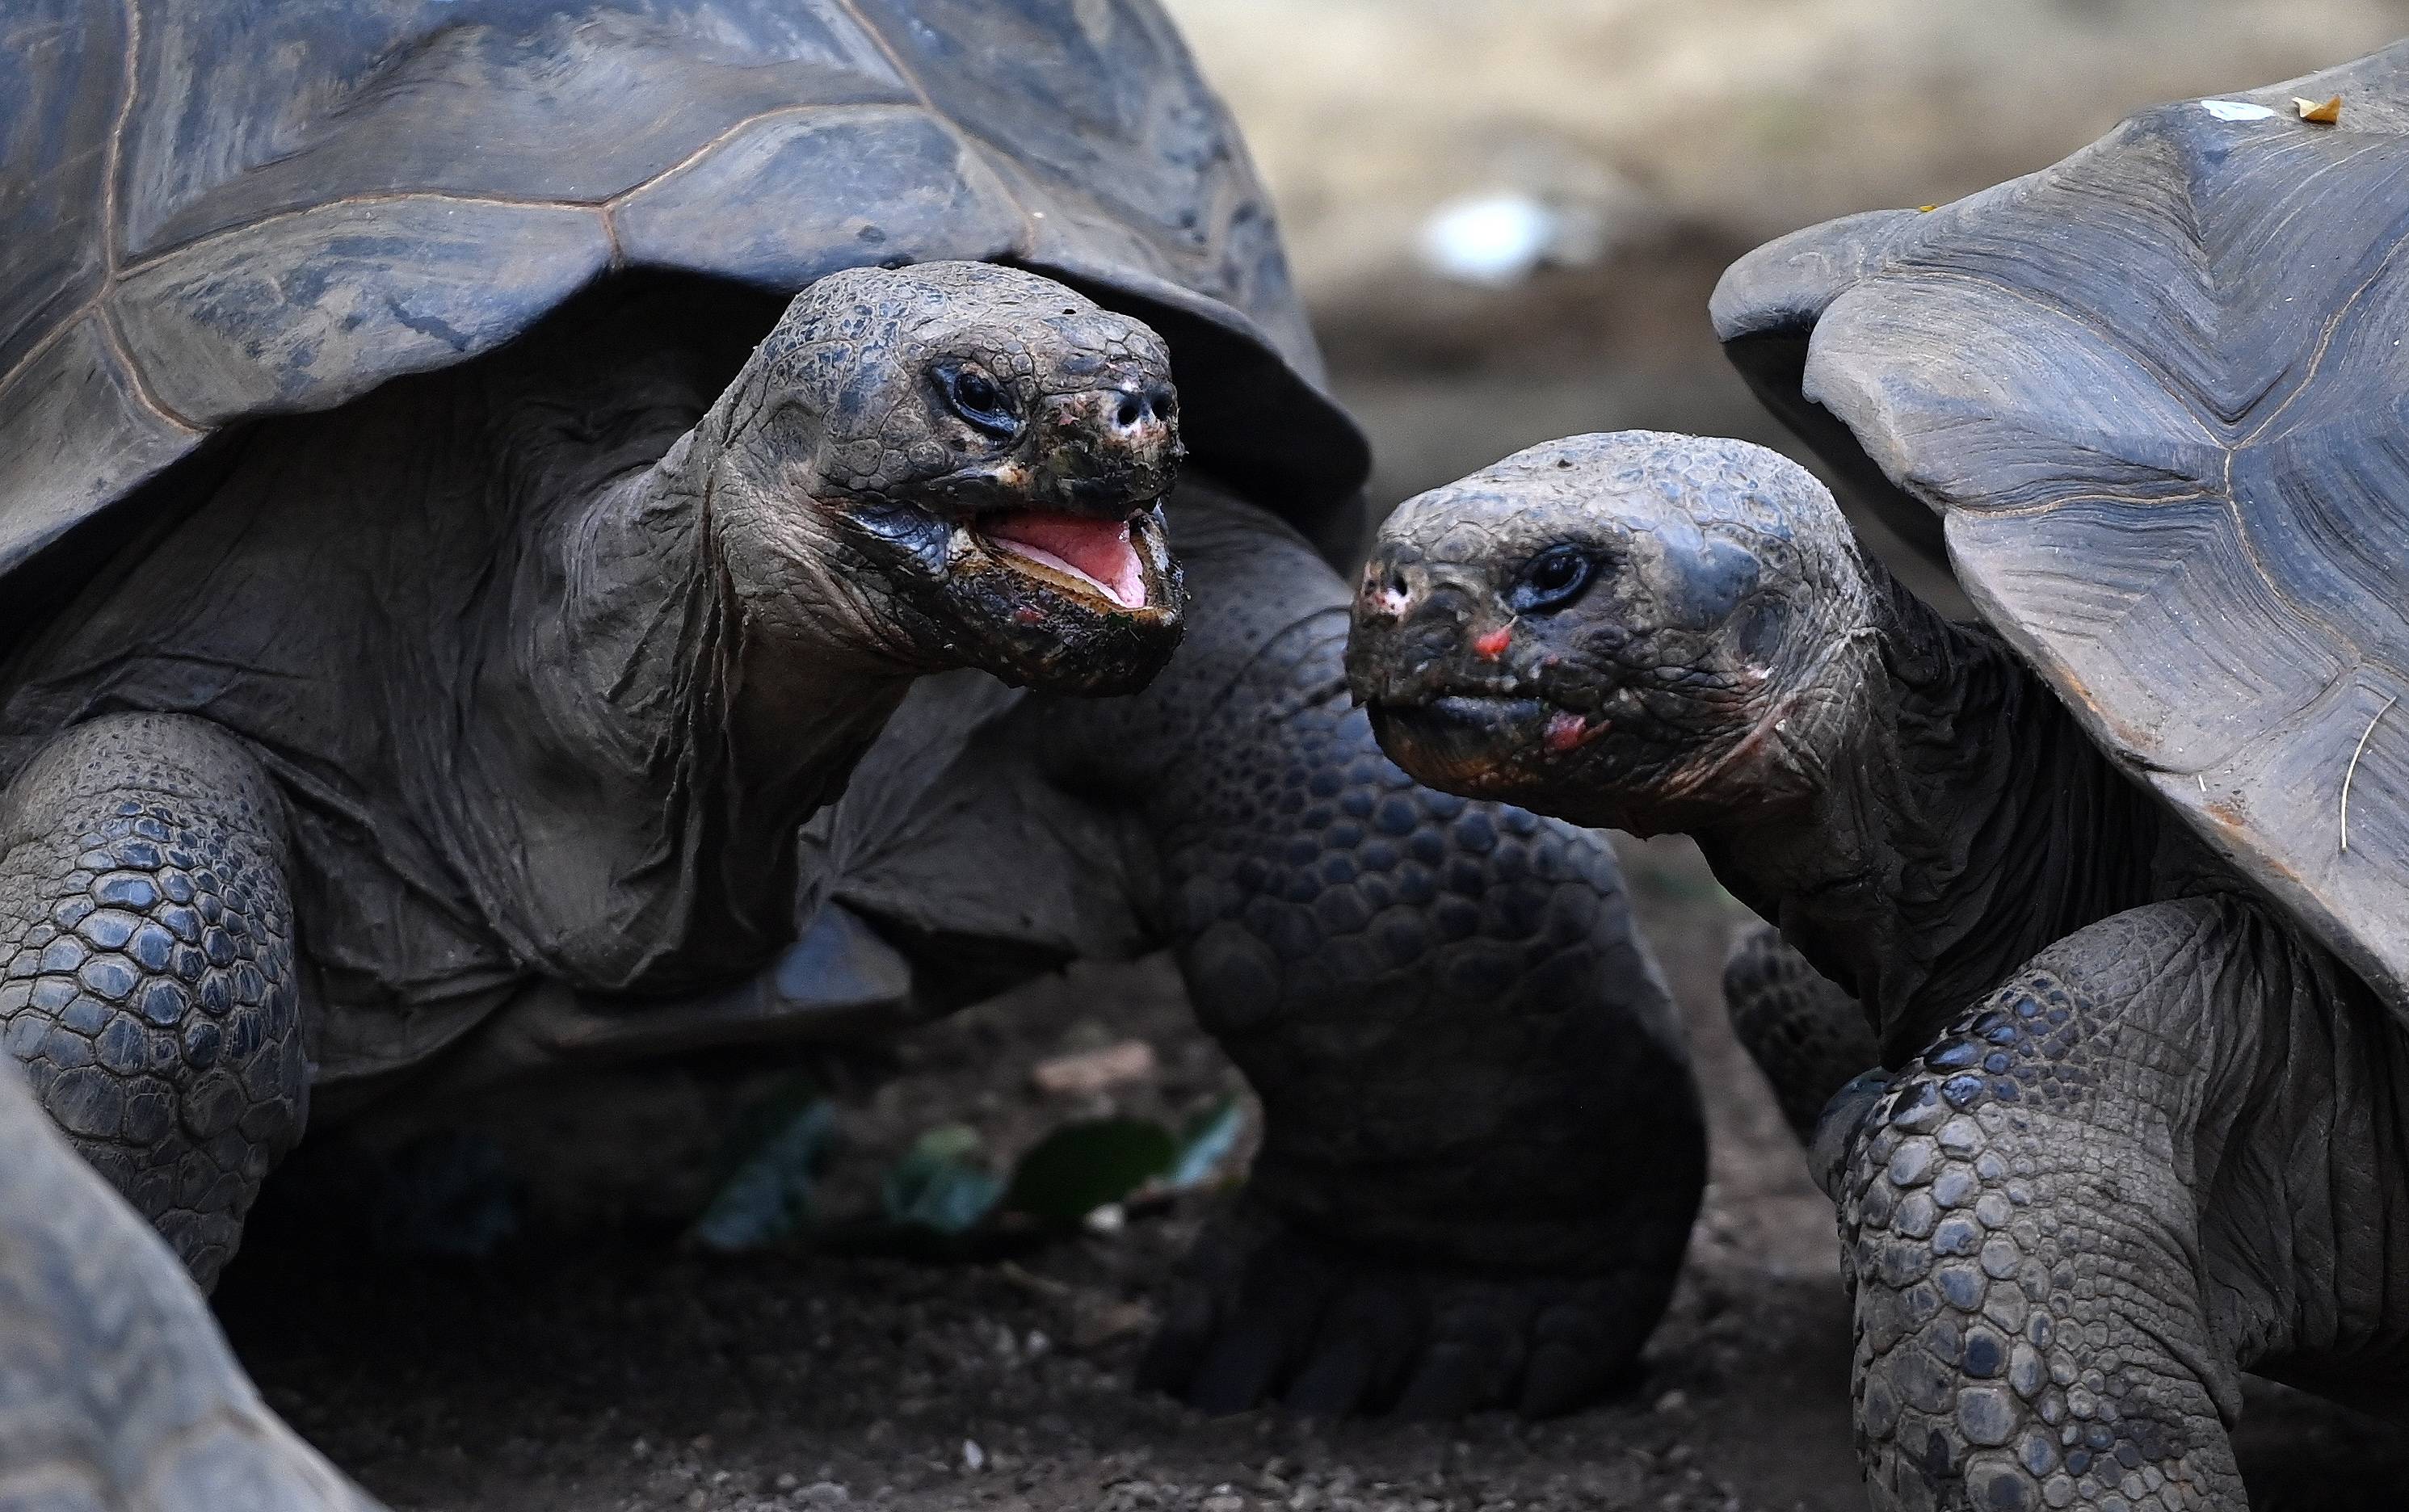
{"type": "Point", "coordinates": [117, 1392]}
{"type": "Point", "coordinates": [2167, 1150]}
{"type": "Point", "coordinates": [147, 986]}
{"type": "Point", "coordinates": [1807, 1035]}
{"type": "Point", "coordinates": [147, 978]}
{"type": "Point", "coordinates": [1484, 1146]}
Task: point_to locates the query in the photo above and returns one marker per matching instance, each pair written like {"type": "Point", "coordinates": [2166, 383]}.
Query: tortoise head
{"type": "Point", "coordinates": [963, 465]}
{"type": "Point", "coordinates": [1637, 629]}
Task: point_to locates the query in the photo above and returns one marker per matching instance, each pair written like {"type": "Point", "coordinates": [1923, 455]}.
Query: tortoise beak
{"type": "Point", "coordinates": [1417, 628]}
{"type": "Point", "coordinates": [1106, 450]}
{"type": "Point", "coordinates": [1046, 620]}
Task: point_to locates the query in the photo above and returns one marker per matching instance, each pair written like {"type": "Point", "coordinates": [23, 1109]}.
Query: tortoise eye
{"type": "Point", "coordinates": [977, 399]}
{"type": "Point", "coordinates": [1551, 580]}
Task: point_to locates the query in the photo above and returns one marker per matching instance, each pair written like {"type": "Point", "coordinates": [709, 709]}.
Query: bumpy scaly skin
{"type": "Point", "coordinates": [1805, 1035]}
{"type": "Point", "coordinates": [117, 1392]}
{"type": "Point", "coordinates": [1040, 342]}
{"type": "Point", "coordinates": [2023, 1241]}
{"type": "Point", "coordinates": [1459, 1041]}
{"type": "Point", "coordinates": [2049, 1314]}
{"type": "Point", "coordinates": [149, 983]}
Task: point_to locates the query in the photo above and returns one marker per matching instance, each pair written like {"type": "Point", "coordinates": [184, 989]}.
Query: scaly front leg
{"type": "Point", "coordinates": [1805, 1035]}
{"type": "Point", "coordinates": [147, 976]}
{"type": "Point", "coordinates": [149, 990]}
{"type": "Point", "coordinates": [1484, 1148]}
{"type": "Point", "coordinates": [2165, 1152]}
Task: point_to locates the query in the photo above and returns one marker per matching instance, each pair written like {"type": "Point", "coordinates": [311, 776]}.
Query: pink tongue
{"type": "Point", "coordinates": [1096, 550]}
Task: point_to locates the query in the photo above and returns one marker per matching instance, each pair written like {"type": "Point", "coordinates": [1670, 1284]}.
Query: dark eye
{"type": "Point", "coordinates": [977, 399]}
{"type": "Point", "coordinates": [1551, 580]}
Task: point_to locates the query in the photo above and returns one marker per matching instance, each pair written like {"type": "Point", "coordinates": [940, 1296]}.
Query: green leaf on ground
{"type": "Point", "coordinates": [941, 1184]}
{"type": "Point", "coordinates": [1081, 1166]}
{"type": "Point", "coordinates": [765, 1195]}
{"type": "Point", "coordinates": [1205, 1144]}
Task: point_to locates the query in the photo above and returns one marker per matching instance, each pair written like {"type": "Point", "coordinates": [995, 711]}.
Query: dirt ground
{"type": "Point", "coordinates": [597, 1368]}
{"type": "Point", "coordinates": [594, 1367]}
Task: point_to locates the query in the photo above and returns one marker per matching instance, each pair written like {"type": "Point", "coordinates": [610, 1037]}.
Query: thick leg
{"type": "Point", "coordinates": [1805, 1035]}
{"type": "Point", "coordinates": [146, 968]}
{"type": "Point", "coordinates": [1484, 1146]}
{"type": "Point", "coordinates": [2165, 1151]}
{"type": "Point", "coordinates": [117, 1392]}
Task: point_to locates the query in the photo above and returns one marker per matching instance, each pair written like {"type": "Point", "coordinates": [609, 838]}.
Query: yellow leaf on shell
{"type": "Point", "coordinates": [2326, 114]}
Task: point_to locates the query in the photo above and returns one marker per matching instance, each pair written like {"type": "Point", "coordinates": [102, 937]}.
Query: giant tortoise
{"type": "Point", "coordinates": [477, 475]}
{"type": "Point", "coordinates": [2120, 874]}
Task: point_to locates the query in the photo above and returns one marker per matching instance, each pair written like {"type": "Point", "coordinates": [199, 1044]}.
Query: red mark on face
{"type": "Point", "coordinates": [1493, 645]}
{"type": "Point", "coordinates": [1568, 731]}
{"type": "Point", "coordinates": [1028, 614]}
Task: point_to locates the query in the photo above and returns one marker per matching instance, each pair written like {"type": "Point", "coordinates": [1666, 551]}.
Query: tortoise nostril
{"type": "Point", "coordinates": [1386, 593]}
{"type": "Point", "coordinates": [1165, 404]}
{"type": "Point", "coordinates": [1131, 410]}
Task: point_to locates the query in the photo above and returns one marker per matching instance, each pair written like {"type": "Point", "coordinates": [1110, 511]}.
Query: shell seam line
{"type": "Point", "coordinates": [133, 375]}
{"type": "Point", "coordinates": [604, 210]}
{"type": "Point", "coordinates": [912, 79]}
{"type": "Point", "coordinates": [113, 160]}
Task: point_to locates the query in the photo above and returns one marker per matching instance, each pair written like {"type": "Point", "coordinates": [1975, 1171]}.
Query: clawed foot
{"type": "Point", "coordinates": [1265, 1314]}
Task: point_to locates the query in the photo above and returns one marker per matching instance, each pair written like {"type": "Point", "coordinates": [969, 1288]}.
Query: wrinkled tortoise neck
{"type": "Point", "coordinates": [1959, 822]}
{"type": "Point", "coordinates": [659, 663]}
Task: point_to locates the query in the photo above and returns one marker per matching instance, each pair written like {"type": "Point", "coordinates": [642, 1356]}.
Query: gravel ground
{"type": "Point", "coordinates": [597, 1368]}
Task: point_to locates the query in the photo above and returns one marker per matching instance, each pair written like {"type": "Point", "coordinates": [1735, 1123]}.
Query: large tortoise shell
{"type": "Point", "coordinates": [214, 210]}
{"type": "Point", "coordinates": [2156, 399]}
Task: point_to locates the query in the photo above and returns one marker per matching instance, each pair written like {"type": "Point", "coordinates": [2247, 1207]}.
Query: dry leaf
{"type": "Point", "coordinates": [2324, 115]}
{"type": "Point", "coordinates": [1926, 209]}
{"type": "Point", "coordinates": [1098, 1319]}
{"type": "Point", "coordinates": [1093, 1070]}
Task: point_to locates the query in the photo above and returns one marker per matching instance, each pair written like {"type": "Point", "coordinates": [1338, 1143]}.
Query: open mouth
{"type": "Point", "coordinates": [1466, 723]}
{"type": "Point", "coordinates": [1075, 551]}
{"type": "Point", "coordinates": [1473, 711]}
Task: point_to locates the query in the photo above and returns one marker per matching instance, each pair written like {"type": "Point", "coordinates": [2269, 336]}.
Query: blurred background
{"type": "Point", "coordinates": [1508, 214]}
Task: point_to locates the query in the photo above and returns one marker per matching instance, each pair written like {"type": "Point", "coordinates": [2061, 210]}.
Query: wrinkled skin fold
{"type": "Point", "coordinates": [2138, 1132]}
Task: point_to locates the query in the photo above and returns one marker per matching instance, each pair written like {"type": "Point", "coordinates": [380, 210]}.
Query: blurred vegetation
{"type": "Point", "coordinates": [944, 1196]}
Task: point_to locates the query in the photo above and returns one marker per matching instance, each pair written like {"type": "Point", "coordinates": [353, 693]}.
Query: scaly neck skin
{"type": "Point", "coordinates": [674, 731]}
{"type": "Point", "coordinates": [1960, 822]}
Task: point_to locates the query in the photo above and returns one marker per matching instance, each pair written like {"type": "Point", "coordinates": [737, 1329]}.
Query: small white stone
{"type": "Point", "coordinates": [1487, 239]}
{"type": "Point", "coordinates": [2237, 111]}
{"type": "Point", "coordinates": [974, 1458]}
